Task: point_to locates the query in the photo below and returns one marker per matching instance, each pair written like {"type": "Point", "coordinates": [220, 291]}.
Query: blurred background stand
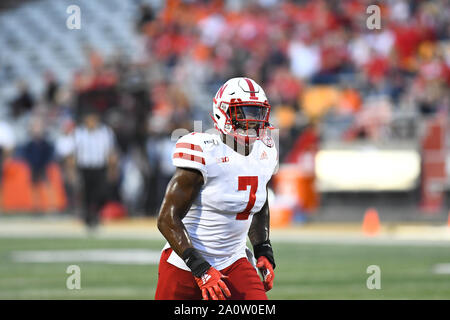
{"type": "Point", "coordinates": [359, 111]}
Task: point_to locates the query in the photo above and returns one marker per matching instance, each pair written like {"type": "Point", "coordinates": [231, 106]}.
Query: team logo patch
{"type": "Point", "coordinates": [264, 156]}
{"type": "Point", "coordinates": [268, 141]}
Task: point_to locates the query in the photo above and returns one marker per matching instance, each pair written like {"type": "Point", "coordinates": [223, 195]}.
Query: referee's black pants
{"type": "Point", "coordinates": [94, 185]}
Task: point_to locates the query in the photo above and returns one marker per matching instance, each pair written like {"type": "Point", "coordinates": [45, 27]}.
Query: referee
{"type": "Point", "coordinates": [96, 161]}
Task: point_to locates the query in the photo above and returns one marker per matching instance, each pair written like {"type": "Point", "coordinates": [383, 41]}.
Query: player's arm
{"type": "Point", "coordinates": [181, 192]}
{"type": "Point", "coordinates": [262, 248]}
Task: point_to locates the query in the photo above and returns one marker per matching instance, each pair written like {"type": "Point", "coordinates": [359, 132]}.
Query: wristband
{"type": "Point", "coordinates": [264, 249]}
{"type": "Point", "coordinates": [195, 262]}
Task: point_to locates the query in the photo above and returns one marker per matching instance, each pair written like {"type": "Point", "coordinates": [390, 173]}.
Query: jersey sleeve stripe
{"type": "Point", "coordinates": [191, 157]}
{"type": "Point", "coordinates": [190, 146]}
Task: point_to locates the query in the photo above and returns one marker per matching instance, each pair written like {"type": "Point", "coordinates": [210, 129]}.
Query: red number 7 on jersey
{"type": "Point", "coordinates": [243, 182]}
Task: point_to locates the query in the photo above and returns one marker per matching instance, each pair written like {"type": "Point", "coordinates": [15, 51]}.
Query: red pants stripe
{"type": "Point", "coordinates": [177, 284]}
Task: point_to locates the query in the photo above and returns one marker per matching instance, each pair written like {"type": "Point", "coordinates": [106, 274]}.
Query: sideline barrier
{"type": "Point", "coordinates": [280, 217]}
{"type": "Point", "coordinates": [19, 194]}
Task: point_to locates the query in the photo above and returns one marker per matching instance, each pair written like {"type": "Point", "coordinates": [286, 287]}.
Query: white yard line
{"type": "Point", "coordinates": [111, 256]}
{"type": "Point", "coordinates": [401, 235]}
{"type": "Point", "coordinates": [441, 268]}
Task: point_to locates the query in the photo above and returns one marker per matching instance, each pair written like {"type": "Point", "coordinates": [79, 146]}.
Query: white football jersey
{"type": "Point", "coordinates": [234, 190]}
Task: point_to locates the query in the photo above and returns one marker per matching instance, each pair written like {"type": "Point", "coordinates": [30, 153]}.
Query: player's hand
{"type": "Point", "coordinates": [266, 269]}
{"type": "Point", "coordinates": [212, 285]}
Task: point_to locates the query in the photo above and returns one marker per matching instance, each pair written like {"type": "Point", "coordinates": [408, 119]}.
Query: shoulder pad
{"type": "Point", "coordinates": [204, 140]}
{"type": "Point", "coordinates": [201, 141]}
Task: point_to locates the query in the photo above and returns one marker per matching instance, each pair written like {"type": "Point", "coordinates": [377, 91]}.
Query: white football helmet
{"type": "Point", "coordinates": [241, 110]}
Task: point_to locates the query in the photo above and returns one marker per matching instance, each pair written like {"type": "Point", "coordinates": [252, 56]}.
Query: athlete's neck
{"type": "Point", "coordinates": [241, 148]}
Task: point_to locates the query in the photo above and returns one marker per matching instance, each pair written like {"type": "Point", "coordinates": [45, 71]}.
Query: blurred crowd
{"type": "Point", "coordinates": [327, 75]}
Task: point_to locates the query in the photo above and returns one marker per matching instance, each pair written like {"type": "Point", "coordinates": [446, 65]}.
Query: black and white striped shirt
{"type": "Point", "coordinates": [92, 147]}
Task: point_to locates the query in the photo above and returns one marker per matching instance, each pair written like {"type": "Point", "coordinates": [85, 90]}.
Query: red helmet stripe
{"type": "Point", "coordinates": [251, 89]}
{"type": "Point", "coordinates": [221, 90]}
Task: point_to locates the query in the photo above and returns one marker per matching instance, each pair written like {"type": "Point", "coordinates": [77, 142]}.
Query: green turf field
{"type": "Point", "coordinates": [304, 271]}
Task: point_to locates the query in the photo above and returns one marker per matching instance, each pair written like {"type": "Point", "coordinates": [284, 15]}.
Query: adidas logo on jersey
{"type": "Point", "coordinates": [264, 156]}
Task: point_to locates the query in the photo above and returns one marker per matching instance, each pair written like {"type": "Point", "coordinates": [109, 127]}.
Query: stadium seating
{"type": "Point", "coordinates": [34, 39]}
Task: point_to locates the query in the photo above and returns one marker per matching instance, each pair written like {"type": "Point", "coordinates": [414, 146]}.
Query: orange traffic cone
{"type": "Point", "coordinates": [371, 222]}
{"type": "Point", "coordinates": [448, 220]}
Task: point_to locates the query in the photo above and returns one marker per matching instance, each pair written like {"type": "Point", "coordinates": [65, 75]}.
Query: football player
{"type": "Point", "coordinates": [218, 196]}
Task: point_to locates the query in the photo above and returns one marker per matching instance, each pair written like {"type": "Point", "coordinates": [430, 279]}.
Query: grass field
{"type": "Point", "coordinates": [305, 270]}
